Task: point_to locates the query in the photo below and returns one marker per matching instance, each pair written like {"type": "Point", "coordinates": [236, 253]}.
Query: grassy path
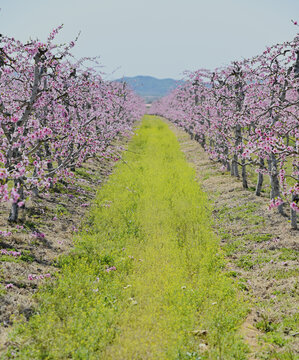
{"type": "Point", "coordinates": [145, 280]}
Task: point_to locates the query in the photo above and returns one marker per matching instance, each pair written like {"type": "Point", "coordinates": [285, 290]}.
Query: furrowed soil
{"type": "Point", "coordinates": [147, 278]}
{"type": "Point", "coordinates": [262, 253]}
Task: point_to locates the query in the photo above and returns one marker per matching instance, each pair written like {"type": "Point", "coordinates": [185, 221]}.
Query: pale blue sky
{"type": "Point", "coordinates": [161, 38]}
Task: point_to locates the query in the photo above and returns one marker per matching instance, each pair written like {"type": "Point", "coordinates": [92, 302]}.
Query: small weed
{"type": "Point", "coordinates": [275, 338]}
{"type": "Point", "coordinates": [232, 274]}
{"type": "Point", "coordinates": [244, 213]}
{"type": "Point", "coordinates": [59, 188]}
{"type": "Point", "coordinates": [189, 356]}
{"type": "Point", "coordinates": [288, 254]}
{"type": "Point", "coordinates": [29, 225]}
{"type": "Point", "coordinates": [5, 258]}
{"type": "Point", "coordinates": [83, 173]}
{"type": "Point", "coordinates": [61, 210]}
{"type": "Point", "coordinates": [245, 262]}
{"type": "Point", "coordinates": [233, 246]}
{"type": "Point", "coordinates": [285, 355]}
{"type": "Point", "coordinates": [2, 290]}
{"type": "Point", "coordinates": [265, 324]}
{"type": "Point", "coordinates": [26, 256]}
{"type": "Point", "coordinates": [284, 273]}
{"type": "Point", "coordinates": [242, 284]}
{"type": "Point", "coordinates": [257, 237]}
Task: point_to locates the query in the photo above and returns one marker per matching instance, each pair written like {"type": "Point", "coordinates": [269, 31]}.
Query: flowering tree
{"type": "Point", "coordinates": [54, 114]}
{"type": "Point", "coordinates": [247, 114]}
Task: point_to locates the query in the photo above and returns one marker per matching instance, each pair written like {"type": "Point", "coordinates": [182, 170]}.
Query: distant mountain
{"type": "Point", "coordinates": [150, 87]}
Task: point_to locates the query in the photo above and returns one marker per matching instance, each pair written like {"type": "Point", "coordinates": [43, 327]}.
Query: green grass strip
{"type": "Point", "coordinates": [146, 279]}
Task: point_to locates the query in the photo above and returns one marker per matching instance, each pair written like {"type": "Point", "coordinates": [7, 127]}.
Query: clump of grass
{"type": "Point", "coordinates": [146, 278]}
{"type": "Point", "coordinates": [61, 210]}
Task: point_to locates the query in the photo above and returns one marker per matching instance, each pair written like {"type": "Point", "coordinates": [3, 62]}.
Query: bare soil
{"type": "Point", "coordinates": [262, 253]}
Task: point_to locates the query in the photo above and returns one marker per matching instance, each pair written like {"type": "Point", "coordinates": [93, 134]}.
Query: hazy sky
{"type": "Point", "coordinates": [161, 38]}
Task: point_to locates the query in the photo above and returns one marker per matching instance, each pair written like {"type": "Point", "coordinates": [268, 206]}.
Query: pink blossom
{"type": "Point", "coordinates": [85, 204]}
{"type": "Point", "coordinates": [294, 206]}
{"type": "Point", "coordinates": [112, 268]}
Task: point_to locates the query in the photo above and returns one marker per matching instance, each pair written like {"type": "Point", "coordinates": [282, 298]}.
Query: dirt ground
{"type": "Point", "coordinates": [28, 257]}
{"type": "Point", "coordinates": [262, 252]}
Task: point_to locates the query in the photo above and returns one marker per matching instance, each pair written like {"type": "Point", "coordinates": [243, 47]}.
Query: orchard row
{"type": "Point", "coordinates": [246, 116]}
{"type": "Point", "coordinates": [55, 113]}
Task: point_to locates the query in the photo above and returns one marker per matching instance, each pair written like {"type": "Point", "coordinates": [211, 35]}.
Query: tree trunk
{"type": "Point", "coordinates": [294, 215]}
{"type": "Point", "coordinates": [260, 179]}
{"type": "Point", "coordinates": [275, 192]}
{"type": "Point", "coordinates": [244, 175]}
{"type": "Point", "coordinates": [228, 168]}
{"type": "Point", "coordinates": [203, 141]}
{"type": "Point", "coordinates": [238, 140]}
{"type": "Point", "coordinates": [35, 189]}
{"type": "Point", "coordinates": [226, 162]}
{"type": "Point", "coordinates": [295, 199]}
{"type": "Point", "coordinates": [234, 168]}
{"type": "Point", "coordinates": [14, 213]}
{"type": "Point", "coordinates": [14, 210]}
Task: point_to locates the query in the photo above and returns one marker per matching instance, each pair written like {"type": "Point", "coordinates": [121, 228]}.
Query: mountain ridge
{"type": "Point", "coordinates": [149, 87]}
